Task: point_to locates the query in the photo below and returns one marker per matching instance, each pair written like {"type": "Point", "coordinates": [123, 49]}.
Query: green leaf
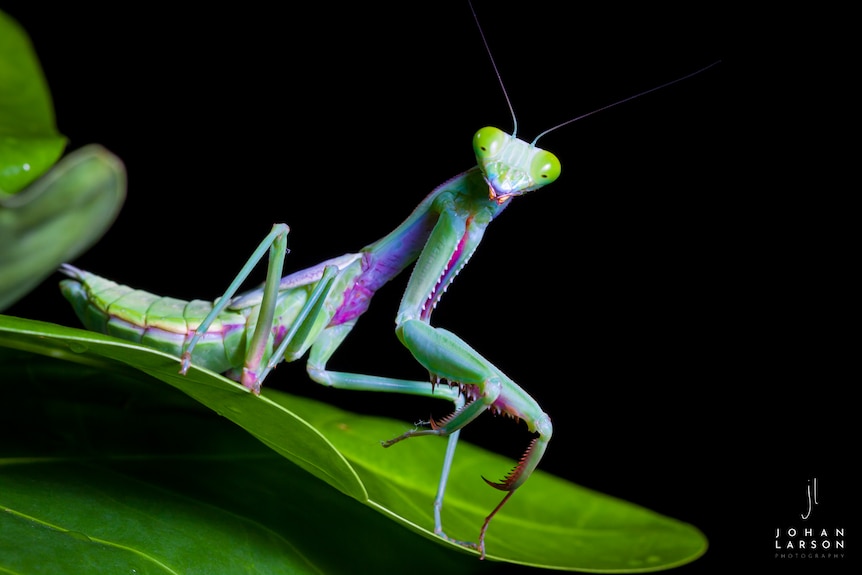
{"type": "Point", "coordinates": [80, 531]}
{"type": "Point", "coordinates": [57, 218]}
{"type": "Point", "coordinates": [549, 523]}
{"type": "Point", "coordinates": [274, 425]}
{"type": "Point", "coordinates": [29, 142]}
{"type": "Point", "coordinates": [111, 474]}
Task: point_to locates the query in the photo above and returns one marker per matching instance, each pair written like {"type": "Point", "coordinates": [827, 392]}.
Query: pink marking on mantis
{"type": "Point", "coordinates": [449, 273]}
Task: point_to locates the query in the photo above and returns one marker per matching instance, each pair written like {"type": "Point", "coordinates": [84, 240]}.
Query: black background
{"type": "Point", "coordinates": [676, 301]}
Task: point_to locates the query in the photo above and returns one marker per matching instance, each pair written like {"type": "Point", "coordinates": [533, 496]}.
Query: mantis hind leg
{"type": "Point", "coordinates": [276, 244]}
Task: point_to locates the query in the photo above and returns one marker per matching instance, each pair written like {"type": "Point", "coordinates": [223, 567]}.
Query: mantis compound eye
{"type": "Point", "coordinates": [489, 141]}
{"type": "Point", "coordinates": [545, 167]}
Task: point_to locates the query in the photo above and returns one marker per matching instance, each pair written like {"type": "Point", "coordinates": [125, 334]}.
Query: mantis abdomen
{"type": "Point", "coordinates": [168, 324]}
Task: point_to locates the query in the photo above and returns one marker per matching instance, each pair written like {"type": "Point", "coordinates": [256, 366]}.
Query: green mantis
{"type": "Point", "coordinates": [312, 311]}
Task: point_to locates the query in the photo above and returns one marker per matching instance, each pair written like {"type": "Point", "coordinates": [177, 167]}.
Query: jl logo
{"type": "Point", "coordinates": [811, 502]}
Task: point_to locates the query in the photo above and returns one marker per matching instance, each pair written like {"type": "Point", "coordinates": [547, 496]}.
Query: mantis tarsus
{"type": "Point", "coordinates": [313, 310]}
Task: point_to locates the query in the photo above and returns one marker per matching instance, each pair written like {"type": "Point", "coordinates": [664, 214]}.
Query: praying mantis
{"type": "Point", "coordinates": [312, 311]}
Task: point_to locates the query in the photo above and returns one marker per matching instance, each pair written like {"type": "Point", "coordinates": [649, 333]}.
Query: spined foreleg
{"type": "Point", "coordinates": [486, 388]}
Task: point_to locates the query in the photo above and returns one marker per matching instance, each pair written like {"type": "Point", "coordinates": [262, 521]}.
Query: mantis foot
{"type": "Point", "coordinates": [480, 547]}
{"type": "Point", "coordinates": [185, 362]}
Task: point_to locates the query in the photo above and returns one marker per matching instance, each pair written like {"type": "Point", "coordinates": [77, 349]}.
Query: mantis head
{"type": "Point", "coordinates": [512, 167]}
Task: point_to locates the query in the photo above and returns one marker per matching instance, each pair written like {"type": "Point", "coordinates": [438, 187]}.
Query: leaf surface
{"type": "Point", "coordinates": [114, 474]}
{"type": "Point", "coordinates": [550, 522]}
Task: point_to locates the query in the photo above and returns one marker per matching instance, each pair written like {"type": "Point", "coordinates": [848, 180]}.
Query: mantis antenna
{"type": "Point", "coordinates": [581, 117]}
{"type": "Point", "coordinates": [497, 72]}
{"type": "Point", "coordinates": [624, 100]}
